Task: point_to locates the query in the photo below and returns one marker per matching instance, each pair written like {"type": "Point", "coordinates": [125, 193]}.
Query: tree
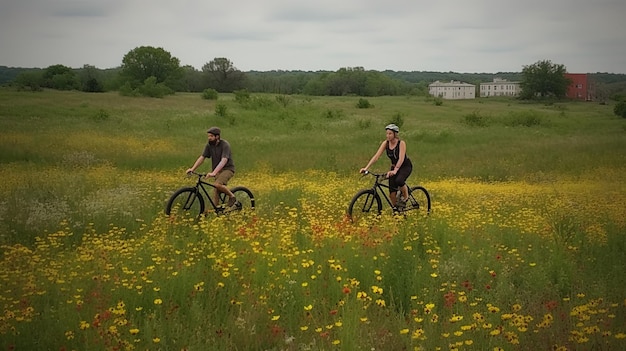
{"type": "Point", "coordinates": [223, 76]}
{"type": "Point", "coordinates": [91, 81]}
{"type": "Point", "coordinates": [620, 109]}
{"type": "Point", "coordinates": [544, 79]}
{"type": "Point", "coordinates": [60, 77]}
{"type": "Point", "coordinates": [29, 79]}
{"type": "Point", "coordinates": [144, 62]}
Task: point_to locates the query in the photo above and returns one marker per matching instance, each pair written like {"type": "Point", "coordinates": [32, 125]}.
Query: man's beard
{"type": "Point", "coordinates": [212, 142]}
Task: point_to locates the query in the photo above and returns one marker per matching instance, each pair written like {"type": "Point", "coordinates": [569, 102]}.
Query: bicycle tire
{"type": "Point", "coordinates": [245, 198]}
{"type": "Point", "coordinates": [185, 203]}
{"type": "Point", "coordinates": [419, 199]}
{"type": "Point", "coordinates": [364, 204]}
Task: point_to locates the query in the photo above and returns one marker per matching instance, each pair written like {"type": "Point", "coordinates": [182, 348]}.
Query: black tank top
{"type": "Point", "coordinates": [394, 156]}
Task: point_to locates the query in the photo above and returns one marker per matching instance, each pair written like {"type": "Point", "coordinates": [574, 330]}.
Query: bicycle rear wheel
{"type": "Point", "coordinates": [419, 199]}
{"type": "Point", "coordinates": [185, 203]}
{"type": "Point", "coordinates": [245, 199]}
{"type": "Point", "coordinates": [365, 204]}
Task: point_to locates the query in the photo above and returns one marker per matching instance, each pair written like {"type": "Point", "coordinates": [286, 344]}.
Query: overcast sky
{"type": "Point", "coordinates": [489, 36]}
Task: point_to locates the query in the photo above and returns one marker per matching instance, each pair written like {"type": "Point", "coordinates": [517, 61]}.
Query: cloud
{"type": "Point", "coordinates": [478, 36]}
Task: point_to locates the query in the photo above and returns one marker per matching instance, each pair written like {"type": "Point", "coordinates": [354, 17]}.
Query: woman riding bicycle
{"type": "Point", "coordinates": [401, 166]}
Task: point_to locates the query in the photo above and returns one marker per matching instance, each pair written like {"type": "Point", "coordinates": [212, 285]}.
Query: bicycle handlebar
{"type": "Point", "coordinates": [377, 175]}
{"type": "Point", "coordinates": [196, 174]}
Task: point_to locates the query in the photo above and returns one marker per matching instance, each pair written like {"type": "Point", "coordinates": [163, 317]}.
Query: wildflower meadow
{"type": "Point", "coordinates": [532, 260]}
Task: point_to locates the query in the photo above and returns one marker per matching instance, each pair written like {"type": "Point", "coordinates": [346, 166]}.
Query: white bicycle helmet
{"type": "Point", "coordinates": [392, 127]}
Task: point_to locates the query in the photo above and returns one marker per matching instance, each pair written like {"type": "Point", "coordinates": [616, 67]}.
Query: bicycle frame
{"type": "Point", "coordinates": [379, 186]}
{"type": "Point", "coordinates": [200, 184]}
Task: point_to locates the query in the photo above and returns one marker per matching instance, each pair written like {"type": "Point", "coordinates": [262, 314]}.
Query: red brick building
{"type": "Point", "coordinates": [580, 88]}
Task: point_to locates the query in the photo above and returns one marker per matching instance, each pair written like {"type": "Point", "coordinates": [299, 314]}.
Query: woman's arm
{"type": "Point", "coordinates": [376, 156]}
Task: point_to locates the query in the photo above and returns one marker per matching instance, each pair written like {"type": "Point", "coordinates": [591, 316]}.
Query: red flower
{"type": "Point", "coordinates": [346, 290]}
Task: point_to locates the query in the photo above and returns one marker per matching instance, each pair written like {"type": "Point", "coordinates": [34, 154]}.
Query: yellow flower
{"type": "Point", "coordinates": [336, 342]}
{"type": "Point", "coordinates": [455, 318]}
{"type": "Point", "coordinates": [304, 328]}
{"type": "Point", "coordinates": [308, 308]}
{"type": "Point", "coordinates": [275, 318]}
{"type": "Point", "coordinates": [158, 301]}
{"type": "Point", "coordinates": [404, 331]}
{"type": "Point", "coordinates": [156, 340]}
{"type": "Point", "coordinates": [134, 331]}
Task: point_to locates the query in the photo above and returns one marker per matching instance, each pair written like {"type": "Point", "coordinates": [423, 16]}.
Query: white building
{"type": "Point", "coordinates": [500, 87]}
{"type": "Point", "coordinates": [454, 90]}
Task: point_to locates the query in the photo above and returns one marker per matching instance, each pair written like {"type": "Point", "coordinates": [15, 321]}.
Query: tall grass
{"type": "Point", "coordinates": [523, 250]}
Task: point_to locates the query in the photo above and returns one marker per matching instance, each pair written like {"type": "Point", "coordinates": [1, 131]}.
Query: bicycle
{"type": "Point", "coordinates": [188, 202]}
{"type": "Point", "coordinates": [368, 201]}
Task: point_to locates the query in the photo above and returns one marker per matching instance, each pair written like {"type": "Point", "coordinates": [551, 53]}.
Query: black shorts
{"type": "Point", "coordinates": [399, 180]}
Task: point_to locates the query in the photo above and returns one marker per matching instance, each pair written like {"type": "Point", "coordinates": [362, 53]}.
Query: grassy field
{"type": "Point", "coordinates": [524, 249]}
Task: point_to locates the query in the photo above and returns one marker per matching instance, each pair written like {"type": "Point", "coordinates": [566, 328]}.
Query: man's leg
{"type": "Point", "coordinates": [220, 187]}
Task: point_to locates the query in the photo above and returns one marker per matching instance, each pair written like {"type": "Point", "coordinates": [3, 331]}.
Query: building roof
{"type": "Point", "coordinates": [452, 83]}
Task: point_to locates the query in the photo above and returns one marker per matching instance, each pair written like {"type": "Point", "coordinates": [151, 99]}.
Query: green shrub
{"type": "Point", "coordinates": [209, 94]}
{"type": "Point", "coordinates": [333, 114]}
{"type": "Point", "coordinates": [620, 109]}
{"type": "Point", "coordinates": [525, 118]}
{"type": "Point", "coordinates": [221, 110]}
{"type": "Point", "coordinates": [363, 103]}
{"type": "Point", "coordinates": [283, 100]}
{"type": "Point", "coordinates": [101, 115]}
{"type": "Point", "coordinates": [151, 88]}
{"type": "Point", "coordinates": [438, 101]}
{"type": "Point", "coordinates": [242, 96]}
{"type": "Point", "coordinates": [475, 119]}
{"type": "Point", "coordinates": [397, 119]}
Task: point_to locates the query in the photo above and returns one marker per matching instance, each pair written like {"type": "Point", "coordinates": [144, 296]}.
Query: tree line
{"type": "Point", "coordinates": [150, 71]}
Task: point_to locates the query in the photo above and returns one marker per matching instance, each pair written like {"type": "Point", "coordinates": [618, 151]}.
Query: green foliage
{"type": "Point", "coordinates": [544, 79]}
{"type": "Point", "coordinates": [524, 118]}
{"type": "Point", "coordinates": [221, 110]}
{"type": "Point", "coordinates": [223, 76]}
{"type": "Point", "coordinates": [91, 79]}
{"type": "Point", "coordinates": [141, 63]}
{"type": "Point", "coordinates": [210, 94]}
{"type": "Point", "coordinates": [30, 80]}
{"type": "Point", "coordinates": [101, 115]}
{"type": "Point", "coordinates": [438, 101]}
{"type": "Point", "coordinates": [363, 103]}
{"type": "Point", "coordinates": [397, 119]}
{"type": "Point", "coordinates": [476, 119]}
{"type": "Point", "coordinates": [334, 114]}
{"type": "Point", "coordinates": [127, 90]}
{"type": "Point", "coordinates": [620, 109]}
{"type": "Point", "coordinates": [364, 124]}
{"type": "Point", "coordinates": [242, 96]}
{"type": "Point", "coordinates": [60, 77]}
{"type": "Point", "coordinates": [283, 100]}
{"type": "Point", "coordinates": [151, 88]}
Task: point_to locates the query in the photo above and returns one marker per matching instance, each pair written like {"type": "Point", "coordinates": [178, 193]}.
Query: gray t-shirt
{"type": "Point", "coordinates": [217, 152]}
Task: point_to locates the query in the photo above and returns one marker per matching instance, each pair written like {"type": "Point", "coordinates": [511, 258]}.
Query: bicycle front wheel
{"type": "Point", "coordinates": [364, 204]}
{"type": "Point", "coordinates": [185, 203]}
{"type": "Point", "coordinates": [419, 199]}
